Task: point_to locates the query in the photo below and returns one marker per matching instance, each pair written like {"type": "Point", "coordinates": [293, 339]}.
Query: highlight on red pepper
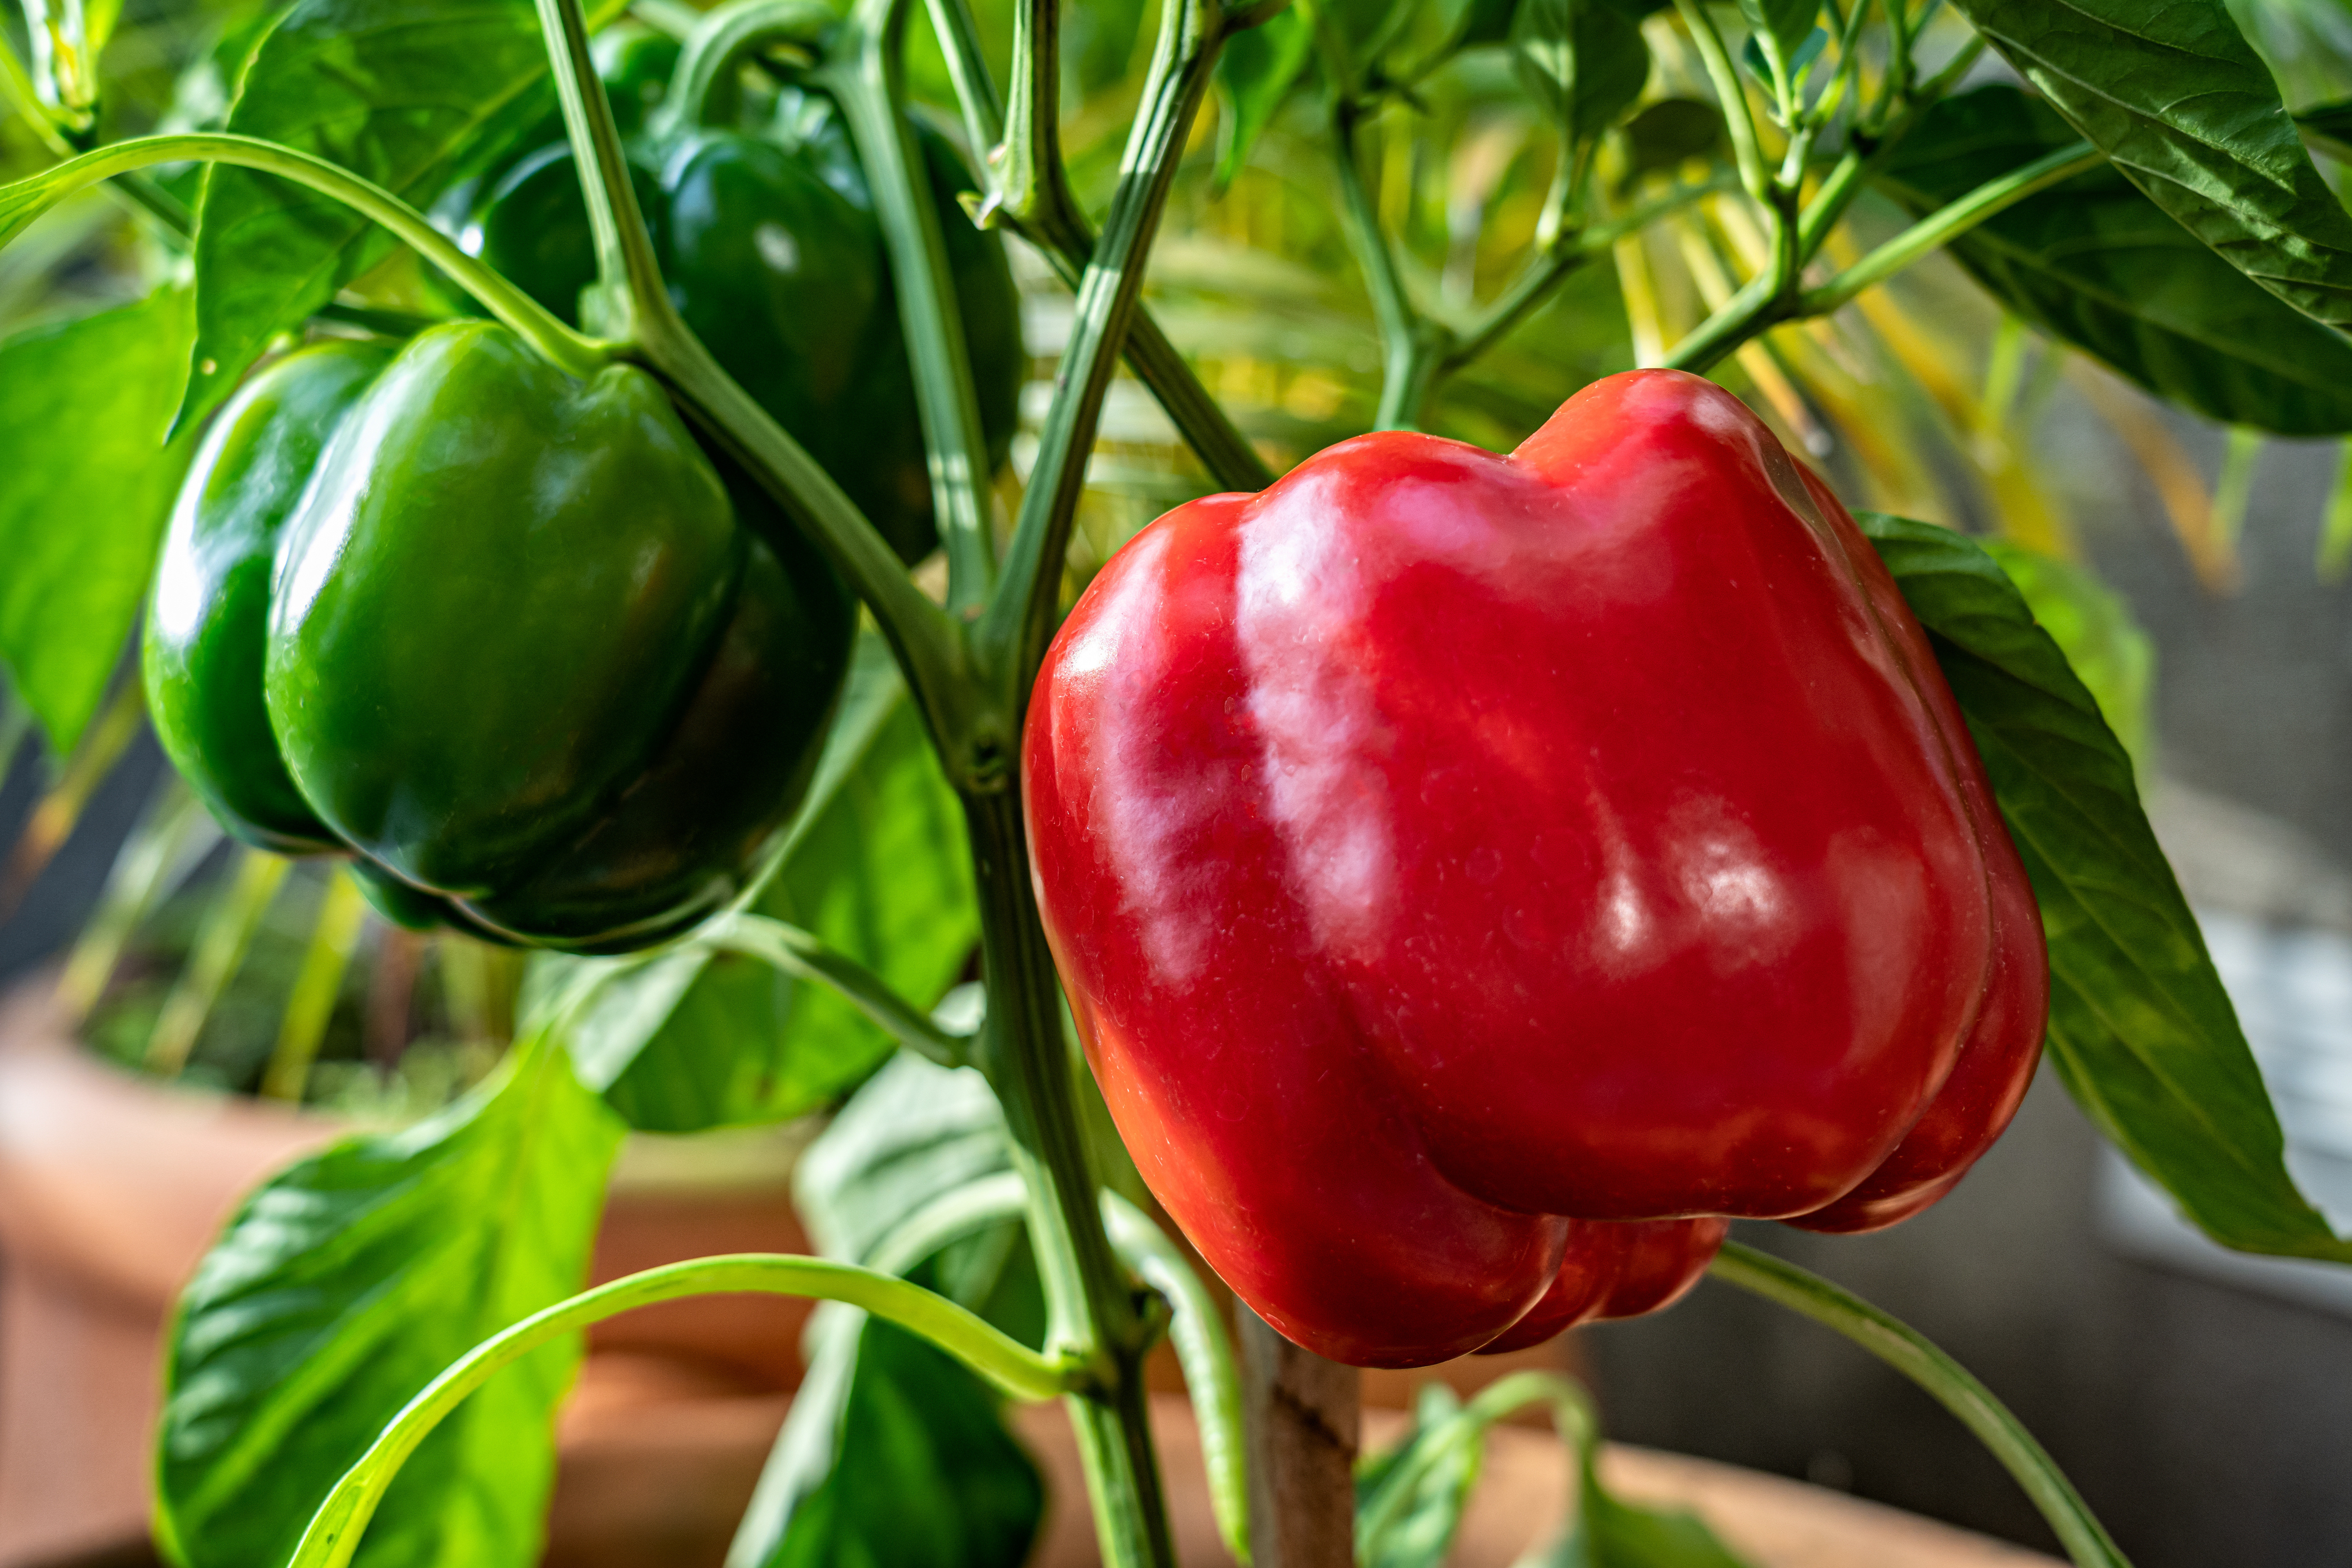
{"type": "Point", "coordinates": [1477, 878]}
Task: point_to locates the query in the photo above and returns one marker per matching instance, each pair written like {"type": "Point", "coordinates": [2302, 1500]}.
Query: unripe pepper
{"type": "Point", "coordinates": [1475, 879]}
{"type": "Point", "coordinates": [515, 650]}
{"type": "Point", "coordinates": [770, 250]}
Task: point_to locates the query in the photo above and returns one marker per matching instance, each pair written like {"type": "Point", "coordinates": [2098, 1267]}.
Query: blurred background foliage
{"type": "Point", "coordinates": [1922, 397]}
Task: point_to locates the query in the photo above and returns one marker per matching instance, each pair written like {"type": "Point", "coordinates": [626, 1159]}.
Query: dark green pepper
{"type": "Point", "coordinates": [772, 255]}
{"type": "Point", "coordinates": [206, 622]}
{"type": "Point", "coordinates": [516, 652]}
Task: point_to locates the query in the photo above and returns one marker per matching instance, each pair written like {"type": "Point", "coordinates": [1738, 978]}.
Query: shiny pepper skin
{"type": "Point", "coordinates": [1476, 879]}
{"type": "Point", "coordinates": [772, 254]}
{"type": "Point", "coordinates": [494, 630]}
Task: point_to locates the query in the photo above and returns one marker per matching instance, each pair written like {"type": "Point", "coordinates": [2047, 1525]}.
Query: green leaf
{"type": "Point", "coordinates": [2095, 264]}
{"type": "Point", "coordinates": [1255, 71]}
{"type": "Point", "coordinates": [896, 1456]}
{"type": "Point", "coordinates": [876, 1423]}
{"type": "Point", "coordinates": [2140, 1029]}
{"type": "Point", "coordinates": [1584, 60]}
{"type": "Point", "coordinates": [2331, 123]}
{"type": "Point", "coordinates": [2095, 629]}
{"type": "Point", "coordinates": [1437, 1465]}
{"type": "Point", "coordinates": [411, 94]}
{"type": "Point", "coordinates": [2178, 99]}
{"type": "Point", "coordinates": [89, 484]}
{"type": "Point", "coordinates": [343, 1286]}
{"type": "Point", "coordinates": [1787, 23]}
{"type": "Point", "coordinates": [875, 864]}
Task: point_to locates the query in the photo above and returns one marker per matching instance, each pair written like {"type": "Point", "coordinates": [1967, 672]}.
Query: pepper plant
{"type": "Point", "coordinates": [367, 1365]}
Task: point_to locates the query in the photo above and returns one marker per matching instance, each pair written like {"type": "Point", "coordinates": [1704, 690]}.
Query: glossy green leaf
{"type": "Point", "coordinates": [343, 1286]}
{"type": "Point", "coordinates": [2331, 123]}
{"type": "Point", "coordinates": [2140, 1029]}
{"type": "Point", "coordinates": [2094, 628]}
{"type": "Point", "coordinates": [875, 864]}
{"type": "Point", "coordinates": [2178, 99]}
{"type": "Point", "coordinates": [1255, 72]}
{"type": "Point", "coordinates": [1584, 60]}
{"type": "Point", "coordinates": [882, 1419]}
{"type": "Point", "coordinates": [89, 485]}
{"type": "Point", "coordinates": [411, 94]}
{"type": "Point", "coordinates": [2095, 264]}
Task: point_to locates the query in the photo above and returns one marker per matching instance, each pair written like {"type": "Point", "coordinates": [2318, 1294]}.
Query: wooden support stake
{"type": "Point", "coordinates": [1302, 1414]}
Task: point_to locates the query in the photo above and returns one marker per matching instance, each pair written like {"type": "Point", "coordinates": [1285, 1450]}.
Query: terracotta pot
{"type": "Point", "coordinates": [112, 1186]}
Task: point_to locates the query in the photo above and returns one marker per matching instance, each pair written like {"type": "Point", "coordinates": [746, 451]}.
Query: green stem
{"type": "Point", "coordinates": [1413, 349]}
{"type": "Point", "coordinates": [1946, 224]}
{"type": "Point", "coordinates": [869, 82]}
{"type": "Point", "coordinates": [1757, 307]}
{"type": "Point", "coordinates": [27, 199]}
{"type": "Point", "coordinates": [1012, 631]}
{"type": "Point", "coordinates": [798, 953]}
{"type": "Point", "coordinates": [1950, 1384]}
{"type": "Point", "coordinates": [702, 90]}
{"type": "Point", "coordinates": [1012, 1367]}
{"type": "Point", "coordinates": [627, 274]}
{"type": "Point", "coordinates": [1091, 1315]}
{"type": "Point", "coordinates": [1049, 220]}
{"type": "Point", "coordinates": [1738, 118]}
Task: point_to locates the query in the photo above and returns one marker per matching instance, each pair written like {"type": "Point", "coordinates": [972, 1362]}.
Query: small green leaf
{"type": "Point", "coordinates": [2330, 122]}
{"type": "Point", "coordinates": [2178, 99]}
{"type": "Point", "coordinates": [2094, 263]}
{"type": "Point", "coordinates": [1584, 60]}
{"type": "Point", "coordinates": [347, 1283]}
{"type": "Point", "coordinates": [1255, 72]}
{"type": "Point", "coordinates": [2140, 1029]}
{"type": "Point", "coordinates": [875, 864]}
{"type": "Point", "coordinates": [411, 94]}
{"type": "Point", "coordinates": [89, 485]}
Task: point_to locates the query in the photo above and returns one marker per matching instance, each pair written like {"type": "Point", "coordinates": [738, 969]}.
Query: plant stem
{"type": "Point", "coordinates": [28, 198]}
{"type": "Point", "coordinates": [1911, 1353]}
{"type": "Point", "coordinates": [1738, 118]}
{"type": "Point", "coordinates": [1011, 1366]}
{"type": "Point", "coordinates": [868, 80]}
{"type": "Point", "coordinates": [628, 277]}
{"type": "Point", "coordinates": [1091, 1317]}
{"type": "Point", "coordinates": [1413, 349]}
{"type": "Point", "coordinates": [798, 953]}
{"type": "Point", "coordinates": [1012, 631]}
{"type": "Point", "coordinates": [1946, 224]}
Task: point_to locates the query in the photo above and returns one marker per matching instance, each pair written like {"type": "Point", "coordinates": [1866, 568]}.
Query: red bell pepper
{"type": "Point", "coordinates": [1452, 857]}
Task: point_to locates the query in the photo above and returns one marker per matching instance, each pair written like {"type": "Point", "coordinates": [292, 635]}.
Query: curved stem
{"type": "Point", "coordinates": [1012, 1367]}
{"type": "Point", "coordinates": [1951, 1385]}
{"type": "Point", "coordinates": [803, 956]}
{"type": "Point", "coordinates": [27, 199]}
{"type": "Point", "coordinates": [1738, 118]}
{"type": "Point", "coordinates": [1012, 631]}
{"type": "Point", "coordinates": [869, 83]}
{"type": "Point", "coordinates": [701, 91]}
{"type": "Point", "coordinates": [1196, 1326]}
